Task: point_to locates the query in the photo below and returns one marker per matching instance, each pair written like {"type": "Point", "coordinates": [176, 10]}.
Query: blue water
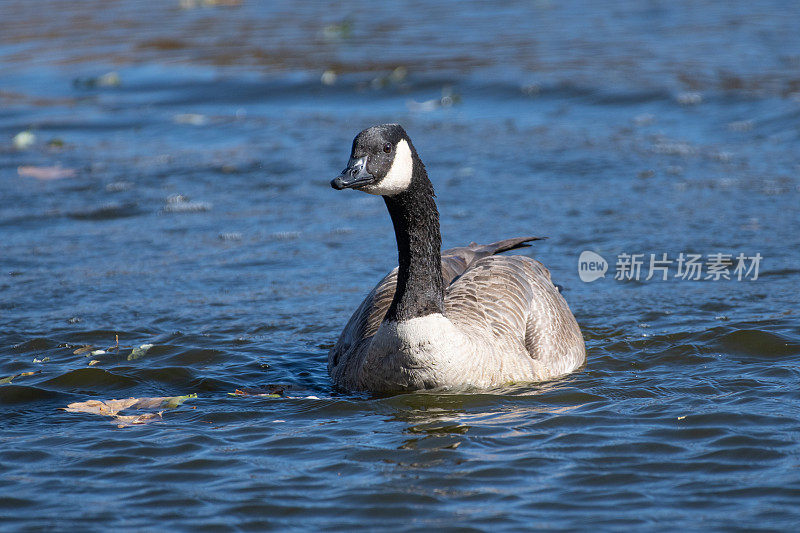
{"type": "Point", "coordinates": [189, 209]}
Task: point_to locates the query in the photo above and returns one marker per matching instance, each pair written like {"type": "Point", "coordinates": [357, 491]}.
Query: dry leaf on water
{"type": "Point", "coordinates": [240, 392]}
{"type": "Point", "coordinates": [9, 379]}
{"type": "Point", "coordinates": [270, 391]}
{"type": "Point", "coordinates": [114, 407]}
{"type": "Point", "coordinates": [130, 420]}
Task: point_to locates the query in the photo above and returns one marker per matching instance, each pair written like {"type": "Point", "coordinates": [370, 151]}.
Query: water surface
{"type": "Point", "coordinates": [193, 148]}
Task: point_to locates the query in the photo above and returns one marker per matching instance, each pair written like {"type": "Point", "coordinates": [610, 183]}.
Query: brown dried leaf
{"type": "Point", "coordinates": [130, 420]}
{"type": "Point", "coordinates": [270, 391]}
{"type": "Point", "coordinates": [100, 407]}
{"type": "Point", "coordinates": [113, 407]}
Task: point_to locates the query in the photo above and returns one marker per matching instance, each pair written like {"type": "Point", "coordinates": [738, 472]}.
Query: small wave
{"type": "Point", "coordinates": [762, 344]}
{"type": "Point", "coordinates": [16, 394]}
{"type": "Point", "coordinates": [92, 378]}
{"type": "Point", "coordinates": [107, 212]}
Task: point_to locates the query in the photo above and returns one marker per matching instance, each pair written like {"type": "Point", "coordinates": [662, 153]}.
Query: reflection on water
{"type": "Point", "coordinates": [164, 184]}
{"type": "Point", "coordinates": [439, 420]}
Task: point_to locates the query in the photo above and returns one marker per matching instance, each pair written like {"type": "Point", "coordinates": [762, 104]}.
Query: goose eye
{"type": "Point", "coordinates": [387, 148]}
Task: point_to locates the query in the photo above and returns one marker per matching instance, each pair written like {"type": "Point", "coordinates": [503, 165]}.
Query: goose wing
{"type": "Point", "coordinates": [511, 302]}
{"type": "Point", "coordinates": [368, 317]}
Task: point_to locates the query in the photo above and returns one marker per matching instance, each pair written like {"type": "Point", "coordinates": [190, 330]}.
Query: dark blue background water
{"type": "Point", "coordinates": [199, 220]}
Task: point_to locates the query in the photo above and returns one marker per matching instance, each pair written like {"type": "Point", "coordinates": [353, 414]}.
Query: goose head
{"type": "Point", "coordinates": [381, 162]}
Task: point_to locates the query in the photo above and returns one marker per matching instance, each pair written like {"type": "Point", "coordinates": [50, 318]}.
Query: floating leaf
{"type": "Point", "coordinates": [83, 349]}
{"type": "Point", "coordinates": [136, 353]}
{"type": "Point", "coordinates": [8, 379]}
{"type": "Point", "coordinates": [113, 407]}
{"type": "Point", "coordinates": [23, 140]}
{"type": "Point", "coordinates": [129, 420]}
{"type": "Point", "coordinates": [93, 362]}
{"type": "Point", "coordinates": [98, 407]}
{"type": "Point", "coordinates": [42, 360]}
{"type": "Point", "coordinates": [175, 401]}
{"type": "Point", "coordinates": [240, 392]}
{"type": "Point", "coordinates": [270, 391]}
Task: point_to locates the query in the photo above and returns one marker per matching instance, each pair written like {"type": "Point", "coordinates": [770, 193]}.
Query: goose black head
{"type": "Point", "coordinates": [381, 162]}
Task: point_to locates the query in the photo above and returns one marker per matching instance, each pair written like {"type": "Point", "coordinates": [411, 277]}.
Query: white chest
{"type": "Point", "coordinates": [423, 352]}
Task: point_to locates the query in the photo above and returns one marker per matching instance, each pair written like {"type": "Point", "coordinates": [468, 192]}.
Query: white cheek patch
{"type": "Point", "coordinates": [399, 176]}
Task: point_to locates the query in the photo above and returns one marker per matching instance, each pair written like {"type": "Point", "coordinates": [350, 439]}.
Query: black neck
{"type": "Point", "coordinates": [420, 289]}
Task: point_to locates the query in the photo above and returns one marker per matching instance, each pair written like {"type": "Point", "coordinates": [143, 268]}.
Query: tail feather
{"type": "Point", "coordinates": [456, 260]}
{"type": "Point", "coordinates": [504, 245]}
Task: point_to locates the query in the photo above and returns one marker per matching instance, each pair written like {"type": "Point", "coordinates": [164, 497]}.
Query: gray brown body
{"type": "Point", "coordinates": [509, 324]}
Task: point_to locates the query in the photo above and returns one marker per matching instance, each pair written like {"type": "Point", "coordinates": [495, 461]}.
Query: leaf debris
{"type": "Point", "coordinates": [113, 408]}
{"type": "Point", "coordinates": [9, 379]}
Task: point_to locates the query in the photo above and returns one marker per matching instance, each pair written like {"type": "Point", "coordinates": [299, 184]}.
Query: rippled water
{"type": "Point", "coordinates": [191, 211]}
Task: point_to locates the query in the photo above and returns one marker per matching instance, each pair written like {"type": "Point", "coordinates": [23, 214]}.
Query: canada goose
{"type": "Point", "coordinates": [462, 318]}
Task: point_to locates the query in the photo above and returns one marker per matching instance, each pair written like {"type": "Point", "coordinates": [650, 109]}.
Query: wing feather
{"type": "Point", "coordinates": [512, 300]}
